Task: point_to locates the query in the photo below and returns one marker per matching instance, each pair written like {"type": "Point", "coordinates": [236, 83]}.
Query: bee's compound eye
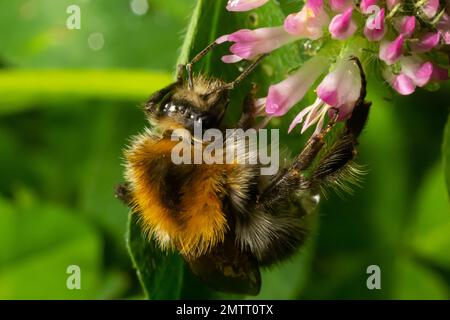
{"type": "Point", "coordinates": [172, 107]}
{"type": "Point", "coordinates": [181, 109]}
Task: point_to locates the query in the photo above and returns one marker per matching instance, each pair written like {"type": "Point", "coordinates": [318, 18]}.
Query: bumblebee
{"type": "Point", "coordinates": [227, 220]}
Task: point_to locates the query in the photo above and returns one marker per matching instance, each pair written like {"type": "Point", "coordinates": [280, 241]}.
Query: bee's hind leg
{"type": "Point", "coordinates": [281, 217]}
{"type": "Point", "coordinates": [336, 158]}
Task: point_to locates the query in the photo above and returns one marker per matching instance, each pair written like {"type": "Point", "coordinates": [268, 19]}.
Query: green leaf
{"type": "Point", "coordinates": [38, 243]}
{"type": "Point", "coordinates": [414, 281]}
{"type": "Point", "coordinates": [446, 154]}
{"type": "Point", "coordinates": [430, 231]}
{"type": "Point", "coordinates": [160, 273]}
{"type": "Point", "coordinates": [101, 169]}
{"type": "Point", "coordinates": [191, 33]}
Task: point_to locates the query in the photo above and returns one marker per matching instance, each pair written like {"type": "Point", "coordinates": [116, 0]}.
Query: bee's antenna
{"type": "Point", "coordinates": [244, 74]}
{"type": "Point", "coordinates": [200, 55]}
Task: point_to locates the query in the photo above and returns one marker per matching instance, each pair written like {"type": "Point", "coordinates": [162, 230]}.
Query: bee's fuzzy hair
{"type": "Point", "coordinates": [336, 169]}
{"type": "Point", "coordinates": [202, 87]}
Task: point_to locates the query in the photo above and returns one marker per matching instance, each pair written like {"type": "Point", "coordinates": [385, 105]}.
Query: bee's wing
{"type": "Point", "coordinates": [227, 268]}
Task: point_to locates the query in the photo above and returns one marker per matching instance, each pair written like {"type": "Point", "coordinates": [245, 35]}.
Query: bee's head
{"type": "Point", "coordinates": [177, 106]}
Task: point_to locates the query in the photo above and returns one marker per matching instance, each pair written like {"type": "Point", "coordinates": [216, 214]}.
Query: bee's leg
{"type": "Point", "coordinates": [280, 218]}
{"type": "Point", "coordinates": [279, 221]}
{"type": "Point", "coordinates": [336, 167]}
{"type": "Point", "coordinates": [249, 110]}
{"type": "Point", "coordinates": [123, 193]}
{"type": "Point", "coordinates": [338, 155]}
{"type": "Point", "coordinates": [313, 147]}
{"type": "Point", "coordinates": [354, 125]}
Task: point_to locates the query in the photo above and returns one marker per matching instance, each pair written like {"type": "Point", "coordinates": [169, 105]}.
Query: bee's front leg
{"type": "Point", "coordinates": [249, 110]}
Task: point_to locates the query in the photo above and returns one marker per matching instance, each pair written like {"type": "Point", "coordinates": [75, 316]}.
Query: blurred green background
{"type": "Point", "coordinates": [69, 101]}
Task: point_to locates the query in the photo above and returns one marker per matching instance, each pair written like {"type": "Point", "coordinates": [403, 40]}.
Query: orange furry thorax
{"type": "Point", "coordinates": [180, 205]}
